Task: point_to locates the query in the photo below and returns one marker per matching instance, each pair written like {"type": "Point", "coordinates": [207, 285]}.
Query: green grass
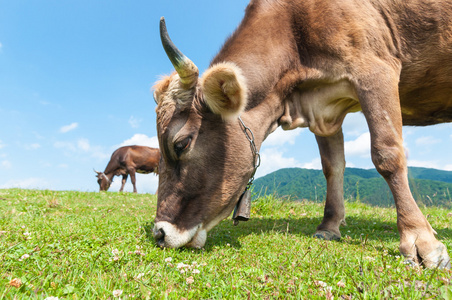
{"type": "Point", "coordinates": [75, 245]}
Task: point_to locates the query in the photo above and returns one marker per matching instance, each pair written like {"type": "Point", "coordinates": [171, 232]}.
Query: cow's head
{"type": "Point", "coordinates": [206, 159]}
{"type": "Point", "coordinates": [103, 181]}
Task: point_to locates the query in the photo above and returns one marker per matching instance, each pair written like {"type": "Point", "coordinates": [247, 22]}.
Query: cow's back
{"type": "Point", "coordinates": [144, 159]}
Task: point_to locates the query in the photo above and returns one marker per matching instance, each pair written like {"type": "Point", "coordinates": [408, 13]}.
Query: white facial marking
{"type": "Point", "coordinates": [199, 240]}
{"type": "Point", "coordinates": [174, 238]}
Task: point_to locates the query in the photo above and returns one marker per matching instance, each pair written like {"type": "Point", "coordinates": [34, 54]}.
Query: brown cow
{"type": "Point", "coordinates": [128, 160]}
{"type": "Point", "coordinates": [303, 64]}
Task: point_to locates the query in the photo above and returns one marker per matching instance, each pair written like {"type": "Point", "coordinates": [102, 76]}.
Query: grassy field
{"type": "Point", "coordinates": [76, 245]}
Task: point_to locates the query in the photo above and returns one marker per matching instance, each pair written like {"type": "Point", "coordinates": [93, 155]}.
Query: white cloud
{"type": "Point", "coordinates": [427, 141]}
{"type": "Point", "coordinates": [316, 163]}
{"type": "Point", "coordinates": [142, 140]}
{"type": "Point", "coordinates": [65, 145]}
{"type": "Point", "coordinates": [448, 167]}
{"type": "Point", "coordinates": [1, 46]}
{"type": "Point", "coordinates": [354, 124]}
{"type": "Point", "coordinates": [272, 159]}
{"type": "Point", "coordinates": [279, 137]}
{"type": "Point", "coordinates": [69, 127]}
{"type": "Point", "coordinates": [33, 146]}
{"type": "Point", "coordinates": [5, 164]}
{"type": "Point", "coordinates": [134, 122]}
{"type": "Point", "coordinates": [2, 144]}
{"type": "Point", "coordinates": [358, 147]}
{"type": "Point", "coordinates": [28, 183]}
{"type": "Point", "coordinates": [424, 164]}
{"type": "Point", "coordinates": [83, 144]}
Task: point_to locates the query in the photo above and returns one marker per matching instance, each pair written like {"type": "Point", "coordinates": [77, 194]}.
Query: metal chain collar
{"type": "Point", "coordinates": [256, 156]}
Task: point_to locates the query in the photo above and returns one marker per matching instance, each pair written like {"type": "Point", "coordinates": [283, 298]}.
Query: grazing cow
{"type": "Point", "coordinates": [303, 64]}
{"type": "Point", "coordinates": [128, 160]}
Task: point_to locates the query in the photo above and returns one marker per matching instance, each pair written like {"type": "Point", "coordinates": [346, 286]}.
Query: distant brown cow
{"type": "Point", "coordinates": [128, 160]}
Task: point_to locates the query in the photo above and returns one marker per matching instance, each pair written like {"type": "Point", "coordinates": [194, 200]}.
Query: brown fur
{"type": "Point", "coordinates": [307, 64]}
{"type": "Point", "coordinates": [129, 160]}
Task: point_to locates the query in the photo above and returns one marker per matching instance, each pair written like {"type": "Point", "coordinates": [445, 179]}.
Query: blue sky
{"type": "Point", "coordinates": [75, 79]}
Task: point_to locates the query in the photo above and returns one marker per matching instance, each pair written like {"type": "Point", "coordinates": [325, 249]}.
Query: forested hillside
{"type": "Point", "coordinates": [429, 186]}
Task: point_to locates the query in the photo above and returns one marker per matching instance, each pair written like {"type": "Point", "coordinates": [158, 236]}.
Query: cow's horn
{"type": "Point", "coordinates": [96, 171]}
{"type": "Point", "coordinates": [187, 70]}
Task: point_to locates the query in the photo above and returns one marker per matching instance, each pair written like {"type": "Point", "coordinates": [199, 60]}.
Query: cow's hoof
{"type": "Point", "coordinates": [326, 235]}
{"type": "Point", "coordinates": [438, 258]}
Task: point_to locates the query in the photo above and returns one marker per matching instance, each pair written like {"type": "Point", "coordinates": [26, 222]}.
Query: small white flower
{"type": "Point", "coordinates": [139, 275]}
{"type": "Point", "coordinates": [23, 257]}
{"type": "Point", "coordinates": [115, 251]}
{"type": "Point", "coordinates": [190, 280]}
{"type": "Point", "coordinates": [51, 298]}
{"type": "Point", "coordinates": [168, 259]}
{"type": "Point", "coordinates": [196, 271]}
{"type": "Point", "coordinates": [369, 258]}
{"type": "Point", "coordinates": [320, 283]}
{"type": "Point", "coordinates": [181, 265]}
{"type": "Point", "coordinates": [26, 233]}
{"type": "Point", "coordinates": [117, 293]}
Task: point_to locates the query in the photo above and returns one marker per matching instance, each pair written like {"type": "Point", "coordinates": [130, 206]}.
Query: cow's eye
{"type": "Point", "coordinates": [181, 146]}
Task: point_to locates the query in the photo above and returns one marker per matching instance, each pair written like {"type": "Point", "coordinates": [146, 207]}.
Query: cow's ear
{"type": "Point", "coordinates": [160, 87]}
{"type": "Point", "coordinates": [224, 89]}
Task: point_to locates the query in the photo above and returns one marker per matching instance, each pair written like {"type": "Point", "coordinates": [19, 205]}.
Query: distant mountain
{"type": "Point", "coordinates": [429, 186]}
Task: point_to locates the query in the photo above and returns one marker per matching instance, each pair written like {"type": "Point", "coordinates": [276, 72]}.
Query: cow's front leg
{"type": "Point", "coordinates": [381, 107]}
{"type": "Point", "coordinates": [333, 165]}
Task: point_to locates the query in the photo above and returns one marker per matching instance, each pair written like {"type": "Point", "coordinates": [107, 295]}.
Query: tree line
{"type": "Point", "coordinates": [430, 187]}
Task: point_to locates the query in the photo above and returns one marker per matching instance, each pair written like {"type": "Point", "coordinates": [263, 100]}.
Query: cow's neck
{"type": "Point", "coordinates": [263, 51]}
{"type": "Point", "coordinates": [283, 88]}
{"type": "Point", "coordinates": [266, 54]}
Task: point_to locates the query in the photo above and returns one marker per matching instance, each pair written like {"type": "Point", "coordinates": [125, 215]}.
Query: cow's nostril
{"type": "Point", "coordinates": [159, 237]}
{"type": "Point", "coordinates": [159, 234]}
